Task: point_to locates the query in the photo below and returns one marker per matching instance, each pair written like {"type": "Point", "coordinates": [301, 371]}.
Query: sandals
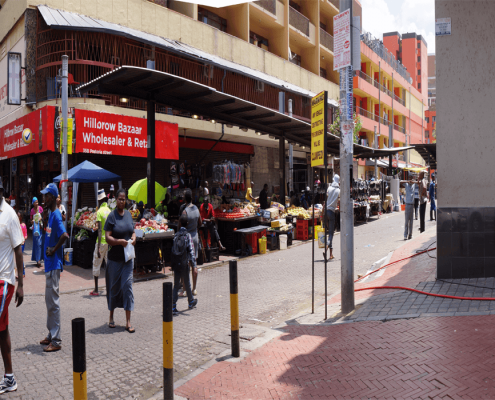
{"type": "Point", "coordinates": [94, 293]}
{"type": "Point", "coordinates": [130, 329]}
{"type": "Point", "coordinates": [111, 324]}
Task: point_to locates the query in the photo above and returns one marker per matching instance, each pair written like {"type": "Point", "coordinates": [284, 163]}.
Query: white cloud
{"type": "Point", "coordinates": [414, 16]}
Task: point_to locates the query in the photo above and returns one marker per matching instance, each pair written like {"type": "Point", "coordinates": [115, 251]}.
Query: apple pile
{"type": "Point", "coordinates": [150, 226]}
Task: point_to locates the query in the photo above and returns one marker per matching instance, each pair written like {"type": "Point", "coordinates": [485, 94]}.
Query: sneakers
{"type": "Point", "coordinates": [175, 311]}
{"type": "Point", "coordinates": [8, 384]}
{"type": "Point", "coordinates": [193, 303]}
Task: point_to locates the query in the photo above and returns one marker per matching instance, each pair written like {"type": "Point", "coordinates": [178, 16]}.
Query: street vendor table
{"type": "Point", "coordinates": [147, 250]}
{"type": "Point", "coordinates": [276, 245]}
{"type": "Point", "coordinates": [243, 233]}
{"type": "Point", "coordinates": [83, 250]}
{"type": "Point", "coordinates": [227, 226]}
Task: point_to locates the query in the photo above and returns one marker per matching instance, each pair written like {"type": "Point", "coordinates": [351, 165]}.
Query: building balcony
{"type": "Point", "coordinates": [375, 83]}
{"type": "Point", "coordinates": [267, 5]}
{"type": "Point", "coordinates": [301, 24]}
{"type": "Point", "coordinates": [370, 120]}
{"type": "Point", "coordinates": [326, 40]}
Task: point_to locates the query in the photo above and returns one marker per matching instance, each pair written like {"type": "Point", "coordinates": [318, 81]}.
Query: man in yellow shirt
{"type": "Point", "coordinates": [101, 248]}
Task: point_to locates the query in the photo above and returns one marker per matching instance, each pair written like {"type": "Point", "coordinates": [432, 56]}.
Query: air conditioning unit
{"type": "Point", "coordinates": [259, 86]}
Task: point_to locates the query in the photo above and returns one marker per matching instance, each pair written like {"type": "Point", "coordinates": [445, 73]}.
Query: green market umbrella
{"type": "Point", "coordinates": [139, 192]}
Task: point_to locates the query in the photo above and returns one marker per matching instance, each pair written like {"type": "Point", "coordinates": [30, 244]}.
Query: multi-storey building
{"type": "Point", "coordinates": [431, 113]}
{"type": "Point", "coordinates": [387, 99]}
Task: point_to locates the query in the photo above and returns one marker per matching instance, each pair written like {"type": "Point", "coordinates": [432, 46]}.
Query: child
{"type": "Point", "coordinates": [24, 232]}
{"type": "Point", "coordinates": [182, 255]}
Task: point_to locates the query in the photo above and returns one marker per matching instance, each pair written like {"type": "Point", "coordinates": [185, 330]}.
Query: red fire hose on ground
{"type": "Point", "coordinates": [445, 296]}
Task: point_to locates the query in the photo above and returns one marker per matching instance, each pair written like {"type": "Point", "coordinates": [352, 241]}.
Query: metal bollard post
{"type": "Point", "coordinates": [79, 359]}
{"type": "Point", "coordinates": [234, 309]}
{"type": "Point", "coordinates": [168, 343]}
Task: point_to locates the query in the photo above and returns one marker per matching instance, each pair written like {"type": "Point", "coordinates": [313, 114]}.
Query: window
{"type": "Point", "coordinates": [295, 59]}
{"type": "Point", "coordinates": [258, 40]}
{"type": "Point", "coordinates": [323, 26]}
{"type": "Point", "coordinates": [212, 19]}
{"type": "Point", "coordinates": [419, 72]}
{"type": "Point", "coordinates": [323, 73]}
{"type": "Point", "coordinates": [419, 86]}
{"type": "Point", "coordinates": [427, 119]}
{"type": "Point", "coordinates": [295, 6]}
{"type": "Point", "coordinates": [419, 58]}
{"type": "Point", "coordinates": [419, 45]}
{"type": "Point", "coordinates": [434, 119]}
{"type": "Point", "coordinates": [427, 134]}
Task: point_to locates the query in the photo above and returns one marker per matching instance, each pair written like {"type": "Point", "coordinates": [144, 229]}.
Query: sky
{"type": "Point", "coordinates": [403, 16]}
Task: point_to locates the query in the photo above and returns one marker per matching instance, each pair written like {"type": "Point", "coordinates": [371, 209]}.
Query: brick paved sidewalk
{"type": "Point", "coordinates": [444, 358]}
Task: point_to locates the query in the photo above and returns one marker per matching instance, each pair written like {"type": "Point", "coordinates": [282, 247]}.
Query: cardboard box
{"type": "Point", "coordinates": [278, 223]}
{"type": "Point", "coordinates": [278, 206]}
{"type": "Point", "coordinates": [274, 212]}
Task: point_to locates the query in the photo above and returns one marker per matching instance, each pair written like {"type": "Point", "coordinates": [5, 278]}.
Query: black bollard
{"type": "Point", "coordinates": [168, 343]}
{"type": "Point", "coordinates": [234, 309]}
{"type": "Point", "coordinates": [79, 359]}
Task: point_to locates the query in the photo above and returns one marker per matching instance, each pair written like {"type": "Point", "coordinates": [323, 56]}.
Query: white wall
{"type": "Point", "coordinates": [465, 104]}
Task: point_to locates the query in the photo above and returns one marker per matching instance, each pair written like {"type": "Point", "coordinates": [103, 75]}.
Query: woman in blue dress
{"type": "Point", "coordinates": [35, 216]}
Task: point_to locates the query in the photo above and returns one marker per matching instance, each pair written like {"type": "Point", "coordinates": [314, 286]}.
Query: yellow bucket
{"type": "Point", "coordinates": [262, 245]}
{"type": "Point", "coordinates": [319, 228]}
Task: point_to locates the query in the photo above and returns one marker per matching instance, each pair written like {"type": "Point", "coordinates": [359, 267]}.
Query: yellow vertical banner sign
{"type": "Point", "coordinates": [318, 129]}
{"type": "Point", "coordinates": [70, 122]}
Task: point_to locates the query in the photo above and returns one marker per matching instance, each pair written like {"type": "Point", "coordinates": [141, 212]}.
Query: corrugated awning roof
{"type": "Point", "coordinates": [183, 94]}
{"type": "Point", "coordinates": [60, 19]}
{"type": "Point", "coordinates": [429, 153]}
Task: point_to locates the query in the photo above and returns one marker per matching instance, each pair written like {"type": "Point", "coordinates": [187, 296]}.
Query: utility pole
{"type": "Point", "coordinates": [346, 202]}
{"type": "Point", "coordinates": [65, 109]}
{"type": "Point", "coordinates": [376, 161]}
{"type": "Point", "coordinates": [291, 157]}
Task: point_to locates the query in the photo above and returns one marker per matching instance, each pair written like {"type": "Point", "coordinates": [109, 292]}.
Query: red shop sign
{"type": "Point", "coordinates": [113, 134]}
{"type": "Point", "coordinates": [32, 133]}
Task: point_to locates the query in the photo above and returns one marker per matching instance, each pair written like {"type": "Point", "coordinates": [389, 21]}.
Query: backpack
{"type": "Point", "coordinates": [180, 258]}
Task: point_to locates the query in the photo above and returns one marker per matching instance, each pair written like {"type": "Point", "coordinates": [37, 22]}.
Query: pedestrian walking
{"type": "Point", "coordinates": [409, 201]}
{"type": "Point", "coordinates": [101, 247]}
{"type": "Point", "coordinates": [56, 236]}
{"type": "Point", "coordinates": [24, 235]}
{"type": "Point", "coordinates": [35, 217]}
{"type": "Point", "coordinates": [182, 257]}
{"type": "Point", "coordinates": [333, 194]}
{"type": "Point", "coordinates": [194, 222]}
{"type": "Point", "coordinates": [119, 230]}
{"type": "Point", "coordinates": [264, 197]}
{"type": "Point", "coordinates": [423, 199]}
{"type": "Point", "coordinates": [431, 195]}
{"type": "Point", "coordinates": [11, 239]}
{"type": "Point", "coordinates": [416, 200]}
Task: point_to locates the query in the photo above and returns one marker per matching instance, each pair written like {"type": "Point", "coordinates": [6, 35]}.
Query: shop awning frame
{"type": "Point", "coordinates": [429, 153]}
{"type": "Point", "coordinates": [184, 94]}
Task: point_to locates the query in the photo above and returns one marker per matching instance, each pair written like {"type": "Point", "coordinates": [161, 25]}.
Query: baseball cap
{"type": "Point", "coordinates": [111, 188]}
{"type": "Point", "coordinates": [50, 188]}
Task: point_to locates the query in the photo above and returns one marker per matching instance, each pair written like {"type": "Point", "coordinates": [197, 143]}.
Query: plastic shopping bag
{"type": "Point", "coordinates": [129, 251]}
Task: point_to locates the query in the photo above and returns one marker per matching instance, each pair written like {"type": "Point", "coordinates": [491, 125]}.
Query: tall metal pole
{"type": "Point", "coordinates": [65, 109]}
{"type": "Point", "coordinates": [376, 161]}
{"type": "Point", "coordinates": [346, 202]}
{"type": "Point", "coordinates": [281, 150]}
{"type": "Point", "coordinates": [151, 153]}
{"type": "Point", "coordinates": [409, 141]}
{"type": "Point", "coordinates": [291, 158]}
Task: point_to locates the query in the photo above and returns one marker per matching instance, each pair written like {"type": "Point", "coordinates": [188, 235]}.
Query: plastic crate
{"type": "Point", "coordinates": [146, 253]}
{"type": "Point", "coordinates": [302, 235]}
{"type": "Point", "coordinates": [302, 224]}
{"type": "Point", "coordinates": [212, 254]}
{"type": "Point", "coordinates": [252, 240]}
{"type": "Point", "coordinates": [272, 242]}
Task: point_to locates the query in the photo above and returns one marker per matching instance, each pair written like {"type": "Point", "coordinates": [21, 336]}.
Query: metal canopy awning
{"type": "Point", "coordinates": [428, 152]}
{"type": "Point", "coordinates": [180, 93]}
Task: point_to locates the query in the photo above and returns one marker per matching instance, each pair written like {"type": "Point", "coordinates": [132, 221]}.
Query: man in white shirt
{"type": "Point", "coordinates": [333, 194]}
{"type": "Point", "coordinates": [11, 239]}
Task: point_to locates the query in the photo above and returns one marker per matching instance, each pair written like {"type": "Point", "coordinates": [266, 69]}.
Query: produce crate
{"type": "Point", "coordinates": [146, 253]}
{"type": "Point", "coordinates": [82, 254]}
{"type": "Point", "coordinates": [302, 234]}
{"type": "Point", "coordinates": [272, 241]}
{"type": "Point", "coordinates": [302, 224]}
{"type": "Point", "coordinates": [252, 240]}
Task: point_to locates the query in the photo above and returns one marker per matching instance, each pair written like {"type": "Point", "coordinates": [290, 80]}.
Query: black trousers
{"type": "Point", "coordinates": [211, 229]}
{"type": "Point", "coordinates": [422, 212]}
{"type": "Point", "coordinates": [416, 208]}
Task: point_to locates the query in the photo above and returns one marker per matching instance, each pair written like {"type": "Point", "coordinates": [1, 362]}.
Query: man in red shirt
{"type": "Point", "coordinates": [206, 211]}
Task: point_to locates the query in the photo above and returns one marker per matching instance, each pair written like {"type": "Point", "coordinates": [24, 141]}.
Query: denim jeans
{"type": "Point", "coordinates": [184, 273]}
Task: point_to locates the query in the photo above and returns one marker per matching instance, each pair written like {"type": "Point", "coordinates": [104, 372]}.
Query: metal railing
{"type": "Point", "coordinates": [268, 5]}
{"type": "Point", "coordinates": [298, 21]}
{"type": "Point", "coordinates": [326, 39]}
{"type": "Point", "coordinates": [377, 46]}
{"type": "Point", "coordinates": [376, 118]}
{"type": "Point", "coordinates": [375, 83]}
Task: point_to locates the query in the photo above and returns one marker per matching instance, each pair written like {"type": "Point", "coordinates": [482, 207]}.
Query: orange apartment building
{"type": "Point", "coordinates": [431, 113]}
{"type": "Point", "coordinates": [389, 92]}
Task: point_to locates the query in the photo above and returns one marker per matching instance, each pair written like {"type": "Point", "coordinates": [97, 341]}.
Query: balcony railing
{"type": "Point", "coordinates": [268, 5]}
{"type": "Point", "coordinates": [326, 39]}
{"type": "Point", "coordinates": [299, 21]}
{"type": "Point", "coordinates": [375, 83]}
{"type": "Point", "coordinates": [376, 118]}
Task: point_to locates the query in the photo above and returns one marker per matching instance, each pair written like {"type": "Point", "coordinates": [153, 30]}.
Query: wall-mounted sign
{"type": "Point", "coordinates": [443, 26]}
{"type": "Point", "coordinates": [14, 78]}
